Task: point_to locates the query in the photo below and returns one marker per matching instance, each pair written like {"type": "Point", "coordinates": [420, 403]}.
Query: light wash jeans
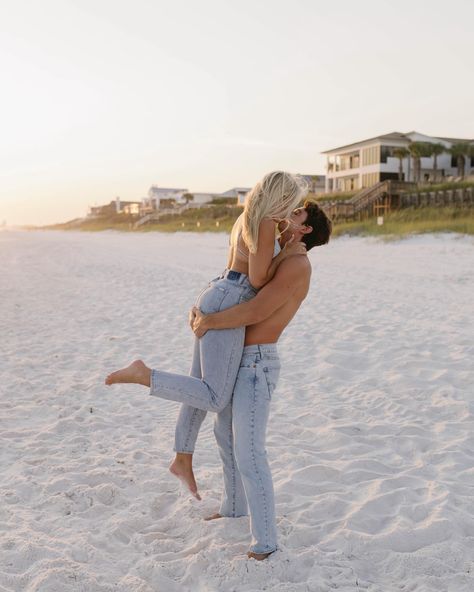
{"type": "Point", "coordinates": [216, 356]}
{"type": "Point", "coordinates": [240, 433]}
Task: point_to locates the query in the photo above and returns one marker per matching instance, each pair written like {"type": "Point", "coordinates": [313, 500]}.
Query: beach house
{"type": "Point", "coordinates": [366, 162]}
{"type": "Point", "coordinates": [116, 206]}
{"type": "Point", "coordinates": [196, 200]}
{"type": "Point", "coordinates": [235, 195]}
{"type": "Point", "coordinates": [158, 196]}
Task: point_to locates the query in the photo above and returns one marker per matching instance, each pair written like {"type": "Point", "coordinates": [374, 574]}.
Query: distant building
{"type": "Point", "coordinates": [198, 199]}
{"type": "Point", "coordinates": [157, 194]}
{"type": "Point", "coordinates": [131, 208]}
{"type": "Point", "coordinates": [316, 183]}
{"type": "Point", "coordinates": [116, 206]}
{"type": "Point", "coordinates": [366, 162]}
{"type": "Point", "coordinates": [235, 195]}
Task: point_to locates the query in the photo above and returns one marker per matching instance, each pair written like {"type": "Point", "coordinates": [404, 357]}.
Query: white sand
{"type": "Point", "coordinates": [371, 437]}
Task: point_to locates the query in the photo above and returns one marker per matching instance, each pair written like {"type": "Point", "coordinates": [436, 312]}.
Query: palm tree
{"type": "Point", "coordinates": [435, 149]}
{"type": "Point", "coordinates": [460, 151]}
{"type": "Point", "coordinates": [400, 153]}
{"type": "Point", "coordinates": [416, 150]}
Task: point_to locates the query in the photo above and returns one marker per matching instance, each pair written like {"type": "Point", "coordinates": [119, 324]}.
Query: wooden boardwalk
{"type": "Point", "coordinates": [387, 195]}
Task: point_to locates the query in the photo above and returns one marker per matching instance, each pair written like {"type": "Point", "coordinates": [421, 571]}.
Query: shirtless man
{"type": "Point", "coordinates": [240, 427]}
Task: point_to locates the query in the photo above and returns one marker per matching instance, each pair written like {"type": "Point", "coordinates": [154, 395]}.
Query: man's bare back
{"type": "Point", "coordinates": [267, 315]}
{"type": "Point", "coordinates": [270, 329]}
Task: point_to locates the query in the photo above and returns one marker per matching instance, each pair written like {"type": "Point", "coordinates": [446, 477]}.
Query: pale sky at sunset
{"type": "Point", "coordinates": [103, 98]}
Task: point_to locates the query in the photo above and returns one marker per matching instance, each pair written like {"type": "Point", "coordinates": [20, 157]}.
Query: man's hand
{"type": "Point", "coordinates": [192, 316]}
{"type": "Point", "coordinates": [197, 322]}
{"type": "Point", "coordinates": [292, 248]}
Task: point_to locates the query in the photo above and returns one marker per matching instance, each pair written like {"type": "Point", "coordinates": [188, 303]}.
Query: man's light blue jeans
{"type": "Point", "coordinates": [240, 434]}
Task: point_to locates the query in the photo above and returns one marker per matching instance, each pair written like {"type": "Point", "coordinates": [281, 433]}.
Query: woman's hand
{"type": "Point", "coordinates": [292, 248]}
{"type": "Point", "coordinates": [197, 322]}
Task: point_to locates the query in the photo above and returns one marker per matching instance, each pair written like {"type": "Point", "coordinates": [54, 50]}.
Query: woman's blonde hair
{"type": "Point", "coordinates": [275, 196]}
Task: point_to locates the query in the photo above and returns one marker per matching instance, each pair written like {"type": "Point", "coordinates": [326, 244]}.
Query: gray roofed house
{"type": "Point", "coordinates": [237, 193]}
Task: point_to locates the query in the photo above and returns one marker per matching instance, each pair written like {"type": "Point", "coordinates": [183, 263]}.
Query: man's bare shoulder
{"type": "Point", "coordinates": [295, 266]}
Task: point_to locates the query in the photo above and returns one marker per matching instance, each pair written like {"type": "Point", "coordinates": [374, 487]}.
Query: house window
{"type": "Point", "coordinates": [349, 161]}
{"type": "Point", "coordinates": [370, 155]}
{"type": "Point", "coordinates": [369, 179]}
{"type": "Point", "coordinates": [385, 152]}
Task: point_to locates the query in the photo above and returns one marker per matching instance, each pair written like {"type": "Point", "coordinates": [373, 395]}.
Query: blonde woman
{"type": "Point", "coordinates": [254, 256]}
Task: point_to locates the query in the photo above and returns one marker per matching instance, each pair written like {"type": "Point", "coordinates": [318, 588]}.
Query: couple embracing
{"type": "Point", "coordinates": [237, 322]}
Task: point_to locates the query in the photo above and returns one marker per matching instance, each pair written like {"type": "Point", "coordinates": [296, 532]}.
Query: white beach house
{"type": "Point", "coordinates": [365, 163]}
{"type": "Point", "coordinates": [157, 194]}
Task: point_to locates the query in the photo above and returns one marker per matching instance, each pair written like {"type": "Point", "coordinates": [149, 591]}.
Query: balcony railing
{"type": "Point", "coordinates": [344, 165]}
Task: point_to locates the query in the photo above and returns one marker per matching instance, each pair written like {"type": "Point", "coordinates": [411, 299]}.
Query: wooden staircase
{"type": "Point", "coordinates": [371, 201]}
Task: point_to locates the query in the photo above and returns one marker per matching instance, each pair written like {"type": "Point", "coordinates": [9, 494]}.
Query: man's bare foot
{"type": "Point", "coordinates": [213, 517]}
{"type": "Point", "coordinates": [182, 467]}
{"type": "Point", "coordinates": [258, 556]}
{"type": "Point", "coordinates": [136, 373]}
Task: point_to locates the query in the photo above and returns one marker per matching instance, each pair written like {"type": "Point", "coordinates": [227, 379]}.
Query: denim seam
{"type": "Point", "coordinates": [229, 366]}
{"type": "Point", "coordinates": [231, 449]}
{"type": "Point", "coordinates": [262, 488]}
{"type": "Point", "coordinates": [190, 430]}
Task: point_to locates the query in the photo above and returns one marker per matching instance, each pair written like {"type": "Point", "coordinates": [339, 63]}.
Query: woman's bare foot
{"type": "Point", "coordinates": [213, 517]}
{"type": "Point", "coordinates": [182, 467]}
{"type": "Point", "coordinates": [136, 373]}
{"type": "Point", "coordinates": [258, 556]}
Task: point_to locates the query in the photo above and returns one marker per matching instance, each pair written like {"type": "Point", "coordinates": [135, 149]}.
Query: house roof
{"type": "Point", "coordinates": [156, 188]}
{"type": "Point", "coordinates": [395, 136]}
{"type": "Point", "coordinates": [389, 137]}
{"type": "Point", "coordinates": [235, 191]}
{"type": "Point", "coordinates": [122, 202]}
{"type": "Point", "coordinates": [455, 140]}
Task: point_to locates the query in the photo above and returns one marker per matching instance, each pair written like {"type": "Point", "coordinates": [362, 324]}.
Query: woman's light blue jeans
{"type": "Point", "coordinates": [216, 358]}
{"type": "Point", "coordinates": [240, 433]}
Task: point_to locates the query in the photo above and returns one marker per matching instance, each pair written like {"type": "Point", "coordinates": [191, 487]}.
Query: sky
{"type": "Point", "coordinates": [103, 98]}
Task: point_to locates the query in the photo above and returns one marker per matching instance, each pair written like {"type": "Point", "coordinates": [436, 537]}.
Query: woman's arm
{"type": "Point", "coordinates": [262, 264]}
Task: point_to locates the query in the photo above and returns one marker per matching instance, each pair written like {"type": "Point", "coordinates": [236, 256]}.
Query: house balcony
{"type": "Point", "coordinates": [343, 162]}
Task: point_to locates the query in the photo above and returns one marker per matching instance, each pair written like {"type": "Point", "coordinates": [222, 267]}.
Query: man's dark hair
{"type": "Point", "coordinates": [320, 223]}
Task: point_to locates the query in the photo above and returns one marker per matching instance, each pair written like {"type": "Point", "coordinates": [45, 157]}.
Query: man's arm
{"type": "Point", "coordinates": [290, 275]}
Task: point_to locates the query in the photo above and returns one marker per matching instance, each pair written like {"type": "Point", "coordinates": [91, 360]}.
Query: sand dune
{"type": "Point", "coordinates": [371, 438]}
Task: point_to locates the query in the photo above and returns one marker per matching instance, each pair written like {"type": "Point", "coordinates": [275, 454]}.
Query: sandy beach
{"type": "Point", "coordinates": [371, 435]}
